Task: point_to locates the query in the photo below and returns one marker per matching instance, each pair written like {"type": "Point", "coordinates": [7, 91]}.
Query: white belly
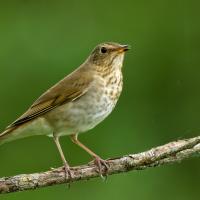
{"type": "Point", "coordinates": [79, 116]}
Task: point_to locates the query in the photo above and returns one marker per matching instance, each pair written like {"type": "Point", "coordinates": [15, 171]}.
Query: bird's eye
{"type": "Point", "coordinates": [103, 50]}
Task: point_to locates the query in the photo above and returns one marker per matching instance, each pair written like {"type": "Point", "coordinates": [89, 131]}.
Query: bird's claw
{"type": "Point", "coordinates": [100, 163]}
{"type": "Point", "coordinates": [68, 175]}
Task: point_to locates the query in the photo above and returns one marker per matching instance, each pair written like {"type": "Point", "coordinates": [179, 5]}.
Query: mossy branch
{"type": "Point", "coordinates": [172, 152]}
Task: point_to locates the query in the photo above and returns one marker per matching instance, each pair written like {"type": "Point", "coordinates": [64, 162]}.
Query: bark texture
{"type": "Point", "coordinates": [172, 152]}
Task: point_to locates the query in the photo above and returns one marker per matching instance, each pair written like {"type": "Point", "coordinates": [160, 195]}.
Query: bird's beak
{"type": "Point", "coordinates": [123, 48]}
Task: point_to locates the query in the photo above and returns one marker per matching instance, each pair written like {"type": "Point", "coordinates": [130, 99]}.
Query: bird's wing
{"type": "Point", "coordinates": [67, 90]}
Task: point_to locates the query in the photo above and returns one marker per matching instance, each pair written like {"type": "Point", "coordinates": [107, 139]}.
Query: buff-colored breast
{"type": "Point", "coordinates": [89, 110]}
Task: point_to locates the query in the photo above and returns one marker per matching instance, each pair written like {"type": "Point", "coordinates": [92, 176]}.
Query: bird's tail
{"type": "Point", "coordinates": [36, 127]}
{"type": "Point", "coordinates": [7, 135]}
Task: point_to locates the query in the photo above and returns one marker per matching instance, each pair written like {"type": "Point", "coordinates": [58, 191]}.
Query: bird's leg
{"type": "Point", "coordinates": [68, 173]}
{"type": "Point", "coordinates": [98, 161]}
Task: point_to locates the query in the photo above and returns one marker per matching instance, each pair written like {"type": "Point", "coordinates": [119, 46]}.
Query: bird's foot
{"type": "Point", "coordinates": [100, 163]}
{"type": "Point", "coordinates": [68, 174]}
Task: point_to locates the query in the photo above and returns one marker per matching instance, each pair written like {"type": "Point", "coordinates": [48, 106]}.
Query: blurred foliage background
{"type": "Point", "coordinates": [42, 41]}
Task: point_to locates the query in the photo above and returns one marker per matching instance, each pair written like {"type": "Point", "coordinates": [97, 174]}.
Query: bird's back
{"type": "Point", "coordinates": [65, 91]}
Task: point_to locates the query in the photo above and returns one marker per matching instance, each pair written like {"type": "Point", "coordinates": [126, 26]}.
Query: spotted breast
{"type": "Point", "coordinates": [83, 114]}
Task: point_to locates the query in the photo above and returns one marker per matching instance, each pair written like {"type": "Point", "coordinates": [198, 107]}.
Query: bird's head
{"type": "Point", "coordinates": [108, 54]}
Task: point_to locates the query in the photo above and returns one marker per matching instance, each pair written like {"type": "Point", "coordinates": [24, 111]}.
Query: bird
{"type": "Point", "coordinates": [76, 104]}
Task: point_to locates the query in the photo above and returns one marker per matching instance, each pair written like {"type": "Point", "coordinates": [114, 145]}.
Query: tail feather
{"type": "Point", "coordinates": [5, 136]}
{"type": "Point", "coordinates": [36, 127]}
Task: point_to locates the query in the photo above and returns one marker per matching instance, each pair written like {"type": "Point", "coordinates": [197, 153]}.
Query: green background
{"type": "Point", "coordinates": [42, 41]}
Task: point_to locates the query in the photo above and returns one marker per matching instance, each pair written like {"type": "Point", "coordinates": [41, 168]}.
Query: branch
{"type": "Point", "coordinates": [168, 153]}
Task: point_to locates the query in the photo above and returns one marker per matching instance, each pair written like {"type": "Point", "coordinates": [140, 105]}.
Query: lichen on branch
{"type": "Point", "coordinates": [172, 152]}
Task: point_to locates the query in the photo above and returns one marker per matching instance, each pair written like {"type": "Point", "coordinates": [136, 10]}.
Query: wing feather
{"type": "Point", "coordinates": [67, 90]}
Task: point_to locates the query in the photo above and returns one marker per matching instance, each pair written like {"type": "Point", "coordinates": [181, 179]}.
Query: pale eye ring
{"type": "Point", "coordinates": [104, 49]}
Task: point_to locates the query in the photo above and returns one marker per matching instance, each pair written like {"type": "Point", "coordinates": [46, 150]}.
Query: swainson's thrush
{"type": "Point", "coordinates": [77, 103]}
